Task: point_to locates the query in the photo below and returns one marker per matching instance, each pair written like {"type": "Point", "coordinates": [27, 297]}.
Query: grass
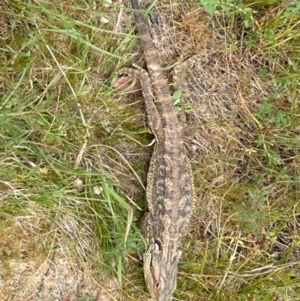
{"type": "Point", "coordinates": [74, 151]}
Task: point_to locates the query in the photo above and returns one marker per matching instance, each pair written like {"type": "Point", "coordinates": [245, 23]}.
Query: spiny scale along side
{"type": "Point", "coordinates": [169, 181]}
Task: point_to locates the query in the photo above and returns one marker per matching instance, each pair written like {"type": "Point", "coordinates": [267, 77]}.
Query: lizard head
{"type": "Point", "coordinates": [160, 277]}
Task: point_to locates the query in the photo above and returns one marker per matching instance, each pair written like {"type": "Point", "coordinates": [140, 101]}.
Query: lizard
{"type": "Point", "coordinates": [169, 191]}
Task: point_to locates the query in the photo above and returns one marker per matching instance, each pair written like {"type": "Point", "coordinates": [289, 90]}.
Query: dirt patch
{"type": "Point", "coordinates": [42, 266]}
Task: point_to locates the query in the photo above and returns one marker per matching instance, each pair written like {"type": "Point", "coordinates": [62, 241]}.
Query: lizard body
{"type": "Point", "coordinates": [169, 181]}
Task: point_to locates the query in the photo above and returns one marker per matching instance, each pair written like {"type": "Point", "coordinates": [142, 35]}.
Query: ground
{"type": "Point", "coordinates": [75, 148]}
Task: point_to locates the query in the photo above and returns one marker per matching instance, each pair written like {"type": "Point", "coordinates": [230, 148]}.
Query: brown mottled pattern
{"type": "Point", "coordinates": [169, 182]}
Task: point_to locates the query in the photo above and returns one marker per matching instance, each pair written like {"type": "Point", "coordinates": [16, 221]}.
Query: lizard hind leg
{"type": "Point", "coordinates": [154, 119]}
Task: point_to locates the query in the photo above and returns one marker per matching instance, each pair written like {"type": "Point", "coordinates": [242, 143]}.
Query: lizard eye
{"type": "Point", "coordinates": [157, 285]}
{"type": "Point", "coordinates": [158, 245]}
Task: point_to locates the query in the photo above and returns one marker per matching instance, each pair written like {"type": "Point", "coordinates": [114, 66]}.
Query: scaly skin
{"type": "Point", "coordinates": [169, 181]}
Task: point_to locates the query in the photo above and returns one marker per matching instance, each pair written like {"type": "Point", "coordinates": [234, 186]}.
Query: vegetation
{"type": "Point", "coordinates": [74, 150]}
